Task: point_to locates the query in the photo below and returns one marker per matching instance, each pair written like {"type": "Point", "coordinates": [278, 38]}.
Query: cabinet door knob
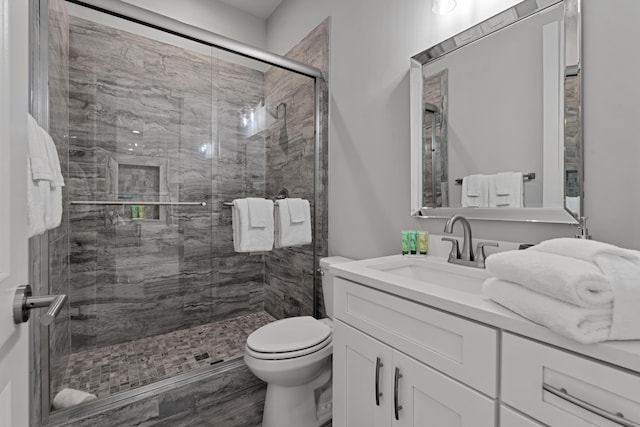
{"type": "Point", "coordinates": [396, 407]}
{"type": "Point", "coordinates": [378, 366]}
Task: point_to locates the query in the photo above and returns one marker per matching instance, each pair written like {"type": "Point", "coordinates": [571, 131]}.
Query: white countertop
{"type": "Point", "coordinates": [476, 306]}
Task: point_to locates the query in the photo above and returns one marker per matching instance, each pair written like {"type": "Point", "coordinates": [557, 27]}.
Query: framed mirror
{"type": "Point", "coordinates": [496, 123]}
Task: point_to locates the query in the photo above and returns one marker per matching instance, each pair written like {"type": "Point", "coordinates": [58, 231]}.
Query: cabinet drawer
{"type": "Point", "coordinates": [459, 348]}
{"type": "Point", "coordinates": [510, 418]}
{"type": "Point", "coordinates": [562, 389]}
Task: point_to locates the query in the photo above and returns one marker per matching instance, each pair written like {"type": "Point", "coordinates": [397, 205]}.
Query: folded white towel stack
{"type": "Point", "coordinates": [506, 190]}
{"type": "Point", "coordinates": [44, 180]}
{"type": "Point", "coordinates": [475, 191]}
{"type": "Point", "coordinates": [252, 239]}
{"type": "Point", "coordinates": [288, 231]}
{"type": "Point", "coordinates": [583, 289]}
{"type": "Point", "coordinates": [68, 397]}
{"type": "Point", "coordinates": [584, 249]}
{"type": "Point", "coordinates": [585, 325]}
{"type": "Point", "coordinates": [567, 279]}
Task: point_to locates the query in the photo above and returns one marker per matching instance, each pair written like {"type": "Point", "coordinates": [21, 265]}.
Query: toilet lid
{"type": "Point", "coordinates": [287, 335]}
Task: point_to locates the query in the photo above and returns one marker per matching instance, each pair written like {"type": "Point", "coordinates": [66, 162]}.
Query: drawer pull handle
{"type": "Point", "coordinates": [396, 407]}
{"type": "Point", "coordinates": [378, 393]}
{"type": "Point", "coordinates": [617, 418]}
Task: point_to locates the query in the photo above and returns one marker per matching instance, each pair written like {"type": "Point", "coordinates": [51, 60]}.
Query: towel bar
{"type": "Point", "coordinates": [527, 177]}
{"type": "Point", "coordinates": [230, 204]}
{"type": "Point", "coordinates": [127, 202]}
{"type": "Point", "coordinates": [283, 194]}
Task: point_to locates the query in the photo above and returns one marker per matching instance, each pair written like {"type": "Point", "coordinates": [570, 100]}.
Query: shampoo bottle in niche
{"type": "Point", "coordinates": [134, 211]}
{"type": "Point", "coordinates": [423, 242]}
{"type": "Point", "coordinates": [413, 242]}
{"type": "Point", "coordinates": [405, 242]}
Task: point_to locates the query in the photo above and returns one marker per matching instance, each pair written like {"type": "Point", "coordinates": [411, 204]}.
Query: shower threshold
{"type": "Point", "coordinates": [126, 366]}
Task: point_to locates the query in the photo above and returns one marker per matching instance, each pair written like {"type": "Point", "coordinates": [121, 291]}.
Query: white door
{"type": "Point", "coordinates": [14, 93]}
{"type": "Point", "coordinates": [426, 398]}
{"type": "Point", "coordinates": [360, 361]}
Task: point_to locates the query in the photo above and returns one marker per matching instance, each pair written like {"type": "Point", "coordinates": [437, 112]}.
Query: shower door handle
{"type": "Point", "coordinates": [24, 301]}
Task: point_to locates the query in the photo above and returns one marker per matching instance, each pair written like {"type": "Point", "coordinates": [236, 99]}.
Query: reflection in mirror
{"type": "Point", "coordinates": [496, 123]}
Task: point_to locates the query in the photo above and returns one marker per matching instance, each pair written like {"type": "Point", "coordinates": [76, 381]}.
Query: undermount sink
{"type": "Point", "coordinates": [435, 271]}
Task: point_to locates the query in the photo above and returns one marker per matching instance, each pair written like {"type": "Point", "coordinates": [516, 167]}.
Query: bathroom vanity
{"type": "Point", "coordinates": [416, 343]}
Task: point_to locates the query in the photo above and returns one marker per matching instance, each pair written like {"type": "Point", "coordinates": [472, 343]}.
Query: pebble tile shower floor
{"type": "Point", "coordinates": [109, 370]}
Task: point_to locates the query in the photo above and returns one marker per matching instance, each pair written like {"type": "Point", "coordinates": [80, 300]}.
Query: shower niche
{"type": "Point", "coordinates": [141, 183]}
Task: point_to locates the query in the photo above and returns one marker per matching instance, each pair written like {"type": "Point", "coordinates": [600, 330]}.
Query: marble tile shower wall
{"type": "Point", "coordinates": [138, 101]}
{"type": "Point", "coordinates": [58, 239]}
{"type": "Point", "coordinates": [290, 159]}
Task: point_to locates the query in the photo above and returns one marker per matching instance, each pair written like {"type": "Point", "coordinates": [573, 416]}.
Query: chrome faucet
{"type": "Point", "coordinates": [466, 257]}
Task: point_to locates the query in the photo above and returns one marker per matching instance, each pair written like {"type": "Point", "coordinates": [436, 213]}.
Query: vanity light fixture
{"type": "Point", "coordinates": [442, 7]}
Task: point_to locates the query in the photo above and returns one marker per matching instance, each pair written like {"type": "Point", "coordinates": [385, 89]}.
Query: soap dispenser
{"type": "Point", "coordinates": [583, 231]}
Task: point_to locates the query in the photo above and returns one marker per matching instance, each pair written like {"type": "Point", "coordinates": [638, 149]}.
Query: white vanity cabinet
{"type": "Point", "coordinates": [386, 361]}
{"type": "Point", "coordinates": [464, 360]}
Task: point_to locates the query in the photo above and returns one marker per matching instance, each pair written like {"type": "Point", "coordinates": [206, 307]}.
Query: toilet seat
{"type": "Point", "coordinates": [289, 338]}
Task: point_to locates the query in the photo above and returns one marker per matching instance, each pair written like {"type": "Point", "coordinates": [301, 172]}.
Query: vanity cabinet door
{"type": "Point", "coordinates": [426, 398]}
{"type": "Point", "coordinates": [359, 363]}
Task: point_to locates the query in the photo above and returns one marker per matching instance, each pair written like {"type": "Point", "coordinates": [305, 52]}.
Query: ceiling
{"type": "Point", "coordinates": [259, 8]}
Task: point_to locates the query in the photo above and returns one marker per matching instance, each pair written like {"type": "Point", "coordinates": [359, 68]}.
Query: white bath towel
{"type": "Point", "coordinates": [624, 274]}
{"type": "Point", "coordinates": [290, 233]}
{"type": "Point", "coordinates": [247, 238]}
{"type": "Point", "coordinates": [53, 212]}
{"type": "Point", "coordinates": [583, 249]}
{"type": "Point", "coordinates": [298, 210]}
{"type": "Point", "coordinates": [585, 325]}
{"type": "Point", "coordinates": [570, 280]}
{"type": "Point", "coordinates": [37, 199]}
{"type": "Point", "coordinates": [506, 190]}
{"type": "Point", "coordinates": [44, 180]}
{"type": "Point", "coordinates": [474, 185]}
{"type": "Point", "coordinates": [259, 211]}
{"type": "Point", "coordinates": [37, 149]}
{"type": "Point", "coordinates": [475, 191]}
{"type": "Point", "coordinates": [68, 397]}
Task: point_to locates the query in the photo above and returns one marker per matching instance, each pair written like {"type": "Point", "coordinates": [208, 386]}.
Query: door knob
{"type": "Point", "coordinates": [24, 301]}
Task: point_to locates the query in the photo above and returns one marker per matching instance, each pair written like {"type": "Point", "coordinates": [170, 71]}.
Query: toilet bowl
{"type": "Point", "coordinates": [293, 356]}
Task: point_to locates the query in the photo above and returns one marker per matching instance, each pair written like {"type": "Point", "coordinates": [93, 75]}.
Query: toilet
{"type": "Point", "coordinates": [293, 356]}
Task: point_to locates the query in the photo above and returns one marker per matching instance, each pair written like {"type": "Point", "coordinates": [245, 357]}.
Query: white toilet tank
{"type": "Point", "coordinates": [327, 281]}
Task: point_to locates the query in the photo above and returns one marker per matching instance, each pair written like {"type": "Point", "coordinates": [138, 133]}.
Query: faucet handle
{"type": "Point", "coordinates": [480, 255]}
{"type": "Point", "coordinates": [455, 250]}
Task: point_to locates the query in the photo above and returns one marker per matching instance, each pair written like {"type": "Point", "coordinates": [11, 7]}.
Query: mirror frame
{"type": "Point", "coordinates": [573, 68]}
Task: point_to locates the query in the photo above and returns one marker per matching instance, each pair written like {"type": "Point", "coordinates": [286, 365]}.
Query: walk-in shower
{"type": "Point", "coordinates": [159, 125]}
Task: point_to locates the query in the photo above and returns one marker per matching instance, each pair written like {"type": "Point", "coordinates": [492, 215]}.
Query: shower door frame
{"type": "Point", "coordinates": [39, 106]}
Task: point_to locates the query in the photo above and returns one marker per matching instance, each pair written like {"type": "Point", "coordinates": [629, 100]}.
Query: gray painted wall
{"type": "Point", "coordinates": [213, 16]}
{"type": "Point", "coordinates": [369, 181]}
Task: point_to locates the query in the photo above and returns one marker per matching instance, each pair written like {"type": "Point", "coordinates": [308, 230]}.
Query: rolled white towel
{"type": "Point", "coordinates": [583, 249]}
{"type": "Point", "coordinates": [585, 325]}
{"type": "Point", "coordinates": [68, 397]}
{"type": "Point", "coordinates": [568, 279]}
